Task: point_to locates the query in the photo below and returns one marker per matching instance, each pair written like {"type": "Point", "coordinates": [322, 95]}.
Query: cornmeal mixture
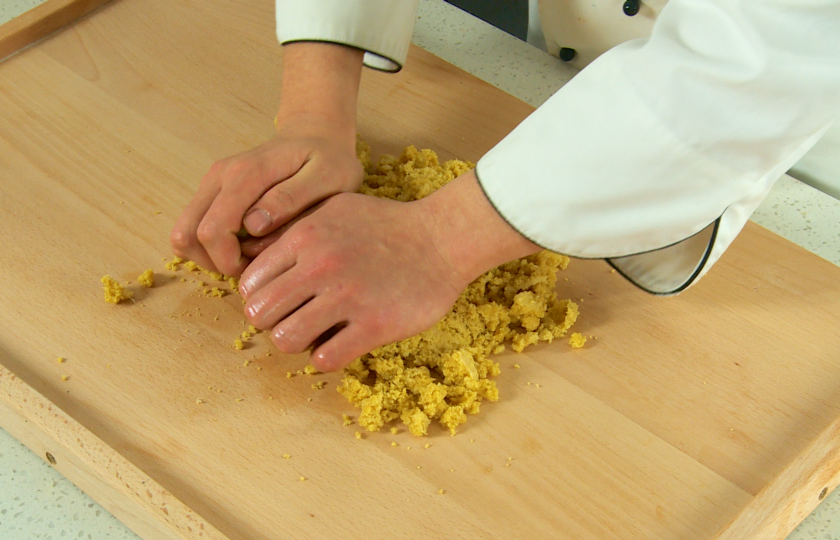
{"type": "Point", "coordinates": [445, 373]}
{"type": "Point", "coordinates": [114, 292]}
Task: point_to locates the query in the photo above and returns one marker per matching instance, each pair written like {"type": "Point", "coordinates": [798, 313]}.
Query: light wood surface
{"type": "Point", "coordinates": [707, 414]}
{"type": "Point", "coordinates": [41, 21]}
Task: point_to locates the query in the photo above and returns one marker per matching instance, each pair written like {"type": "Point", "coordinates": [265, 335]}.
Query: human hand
{"type": "Point", "coordinates": [263, 189]}
{"type": "Point", "coordinates": [377, 270]}
{"type": "Point", "coordinates": [312, 157]}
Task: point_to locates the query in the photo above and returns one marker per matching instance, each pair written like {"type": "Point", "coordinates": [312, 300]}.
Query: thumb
{"type": "Point", "coordinates": [287, 200]}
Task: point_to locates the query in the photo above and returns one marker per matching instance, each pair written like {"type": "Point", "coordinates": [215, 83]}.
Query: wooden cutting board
{"type": "Point", "coordinates": [714, 414]}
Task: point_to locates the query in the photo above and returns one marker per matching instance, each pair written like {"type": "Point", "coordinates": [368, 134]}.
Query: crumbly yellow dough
{"type": "Point", "coordinates": [445, 373]}
{"type": "Point", "coordinates": [577, 340]}
{"type": "Point", "coordinates": [114, 292]}
{"type": "Point", "coordinates": [147, 278]}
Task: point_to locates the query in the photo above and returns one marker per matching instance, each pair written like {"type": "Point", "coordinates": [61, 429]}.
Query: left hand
{"type": "Point", "coordinates": [382, 270]}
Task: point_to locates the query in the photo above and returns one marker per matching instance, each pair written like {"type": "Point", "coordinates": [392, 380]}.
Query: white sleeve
{"type": "Point", "coordinates": [656, 154]}
{"type": "Point", "coordinates": [382, 28]}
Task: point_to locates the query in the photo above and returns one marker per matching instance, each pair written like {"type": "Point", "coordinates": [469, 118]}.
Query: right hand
{"type": "Point", "coordinates": [263, 189]}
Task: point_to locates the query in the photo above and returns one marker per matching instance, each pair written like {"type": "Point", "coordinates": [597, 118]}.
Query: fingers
{"type": "Point", "coordinates": [275, 260]}
{"type": "Point", "coordinates": [348, 344]}
{"type": "Point", "coordinates": [183, 239]}
{"type": "Point", "coordinates": [298, 331]}
{"type": "Point", "coordinates": [287, 200]}
{"type": "Point", "coordinates": [254, 246]}
{"type": "Point", "coordinates": [275, 301]}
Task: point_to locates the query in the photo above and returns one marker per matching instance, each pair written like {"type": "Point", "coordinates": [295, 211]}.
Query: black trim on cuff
{"type": "Point", "coordinates": [399, 66]}
{"type": "Point", "coordinates": [609, 259]}
{"type": "Point", "coordinates": [689, 281]}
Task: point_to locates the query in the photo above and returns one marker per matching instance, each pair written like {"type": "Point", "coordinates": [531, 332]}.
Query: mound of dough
{"type": "Point", "coordinates": [445, 373]}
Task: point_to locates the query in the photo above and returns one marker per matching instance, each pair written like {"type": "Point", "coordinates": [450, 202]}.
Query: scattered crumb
{"type": "Point", "coordinates": [303, 479]}
{"type": "Point", "coordinates": [60, 360]}
{"type": "Point", "coordinates": [427, 445]}
{"type": "Point", "coordinates": [114, 292]}
{"type": "Point", "coordinates": [358, 435]}
{"type": "Point", "coordinates": [238, 345]}
{"type": "Point", "coordinates": [311, 370]}
{"type": "Point", "coordinates": [577, 340]}
{"type": "Point", "coordinates": [199, 401]}
{"type": "Point", "coordinates": [348, 420]}
{"type": "Point", "coordinates": [441, 491]}
{"type": "Point", "coordinates": [395, 430]}
{"type": "Point", "coordinates": [147, 278]}
{"type": "Point", "coordinates": [65, 377]}
{"type": "Point", "coordinates": [240, 399]}
{"type": "Point", "coordinates": [246, 363]}
{"type": "Point", "coordinates": [516, 366]}
{"type": "Point", "coordinates": [309, 399]}
{"type": "Point", "coordinates": [287, 456]}
{"type": "Point", "coordinates": [393, 443]}
{"type": "Point", "coordinates": [289, 374]}
{"type": "Point", "coordinates": [319, 385]}
{"type": "Point", "coordinates": [157, 212]}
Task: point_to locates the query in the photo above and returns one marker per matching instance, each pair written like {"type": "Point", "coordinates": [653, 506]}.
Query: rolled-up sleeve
{"type": "Point", "coordinates": [655, 155]}
{"type": "Point", "coordinates": [382, 28]}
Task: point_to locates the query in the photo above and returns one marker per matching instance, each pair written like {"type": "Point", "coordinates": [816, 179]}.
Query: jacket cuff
{"type": "Point", "coordinates": [381, 28]}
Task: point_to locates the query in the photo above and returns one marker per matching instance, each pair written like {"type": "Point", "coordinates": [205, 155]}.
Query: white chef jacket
{"type": "Point", "coordinates": [655, 155]}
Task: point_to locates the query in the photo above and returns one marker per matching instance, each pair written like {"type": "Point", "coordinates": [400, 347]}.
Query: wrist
{"type": "Point", "coordinates": [320, 82]}
{"type": "Point", "coordinates": [468, 231]}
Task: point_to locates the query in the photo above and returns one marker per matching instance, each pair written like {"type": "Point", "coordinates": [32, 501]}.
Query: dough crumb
{"type": "Point", "coordinates": [173, 264]}
{"type": "Point", "coordinates": [348, 420]}
{"type": "Point", "coordinates": [441, 491]}
{"type": "Point", "coordinates": [577, 340]}
{"type": "Point", "coordinates": [445, 373]}
{"type": "Point", "coordinates": [238, 344]}
{"type": "Point", "coordinates": [114, 292]}
{"type": "Point", "coordinates": [60, 360]}
{"type": "Point", "coordinates": [65, 377]}
{"type": "Point", "coordinates": [359, 435]}
{"type": "Point", "coordinates": [311, 370]}
{"type": "Point", "coordinates": [199, 401]}
{"type": "Point", "coordinates": [147, 278]}
{"type": "Point", "coordinates": [319, 385]}
{"type": "Point", "coordinates": [287, 456]}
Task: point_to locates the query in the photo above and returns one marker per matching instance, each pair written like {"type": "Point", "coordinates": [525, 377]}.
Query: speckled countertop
{"type": "Point", "coordinates": [36, 502]}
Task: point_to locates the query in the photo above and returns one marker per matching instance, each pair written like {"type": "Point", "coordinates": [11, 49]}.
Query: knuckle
{"type": "Point", "coordinates": [280, 200]}
{"type": "Point", "coordinates": [181, 241]}
{"type": "Point", "coordinates": [206, 232]}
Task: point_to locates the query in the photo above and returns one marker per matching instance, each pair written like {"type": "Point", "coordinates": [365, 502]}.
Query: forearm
{"type": "Point", "coordinates": [468, 231]}
{"type": "Point", "coordinates": [320, 80]}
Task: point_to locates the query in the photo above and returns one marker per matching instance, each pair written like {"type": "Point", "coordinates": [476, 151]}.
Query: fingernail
{"type": "Point", "coordinates": [257, 220]}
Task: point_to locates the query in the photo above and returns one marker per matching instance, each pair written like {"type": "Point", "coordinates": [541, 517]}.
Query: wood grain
{"type": "Point", "coordinates": [131, 496]}
{"type": "Point", "coordinates": [684, 419]}
{"type": "Point", "coordinates": [41, 21]}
